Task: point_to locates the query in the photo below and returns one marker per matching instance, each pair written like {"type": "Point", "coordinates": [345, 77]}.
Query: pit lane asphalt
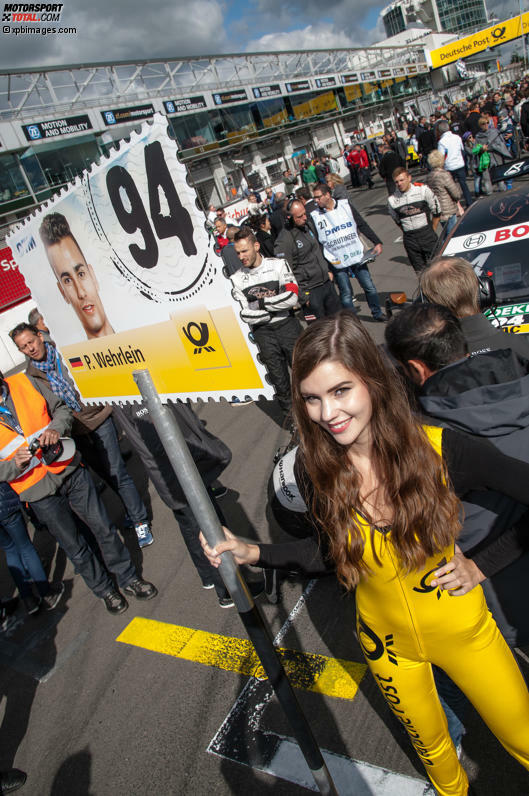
{"type": "Point", "coordinates": [86, 715]}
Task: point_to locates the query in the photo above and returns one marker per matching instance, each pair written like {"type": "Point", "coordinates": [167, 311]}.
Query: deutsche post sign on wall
{"type": "Point", "coordinates": [497, 34]}
{"type": "Point", "coordinates": [124, 273]}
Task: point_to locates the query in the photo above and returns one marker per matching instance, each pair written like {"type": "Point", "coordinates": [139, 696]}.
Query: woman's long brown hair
{"type": "Point", "coordinates": [412, 476]}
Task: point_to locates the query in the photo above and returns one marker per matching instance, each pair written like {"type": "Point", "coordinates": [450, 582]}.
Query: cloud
{"type": "Point", "coordinates": [341, 18]}
{"type": "Point", "coordinates": [320, 37]}
{"type": "Point", "coordinates": [117, 31]}
{"type": "Point", "coordinates": [132, 30]}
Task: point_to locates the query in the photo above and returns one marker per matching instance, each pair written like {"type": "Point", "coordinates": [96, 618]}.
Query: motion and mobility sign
{"type": "Point", "coordinates": [263, 92]}
{"type": "Point", "coordinates": [185, 104]}
{"type": "Point", "coordinates": [124, 272]}
{"type": "Point", "coordinates": [497, 34]}
{"type": "Point", "coordinates": [39, 131]}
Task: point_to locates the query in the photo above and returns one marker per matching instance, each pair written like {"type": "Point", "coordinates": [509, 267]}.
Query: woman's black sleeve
{"type": "Point", "coordinates": [475, 463]}
{"type": "Point", "coordinates": [504, 550]}
{"type": "Point", "coordinates": [305, 555]}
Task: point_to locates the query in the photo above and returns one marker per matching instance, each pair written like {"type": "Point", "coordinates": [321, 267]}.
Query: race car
{"type": "Point", "coordinates": [493, 235]}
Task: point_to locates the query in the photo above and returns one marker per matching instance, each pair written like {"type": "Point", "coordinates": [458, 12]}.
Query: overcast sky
{"type": "Point", "coordinates": [119, 30]}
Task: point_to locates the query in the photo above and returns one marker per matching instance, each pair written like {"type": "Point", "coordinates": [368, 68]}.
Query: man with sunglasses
{"type": "Point", "coordinates": [299, 246]}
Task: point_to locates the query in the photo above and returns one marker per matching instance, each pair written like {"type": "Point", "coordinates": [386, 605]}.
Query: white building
{"type": "Point", "coordinates": [438, 15]}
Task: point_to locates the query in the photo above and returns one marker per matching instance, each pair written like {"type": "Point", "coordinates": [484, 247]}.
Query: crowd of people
{"type": "Point", "coordinates": [373, 480]}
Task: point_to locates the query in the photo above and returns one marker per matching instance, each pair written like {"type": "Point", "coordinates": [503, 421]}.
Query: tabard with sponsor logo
{"type": "Point", "coordinates": [338, 234]}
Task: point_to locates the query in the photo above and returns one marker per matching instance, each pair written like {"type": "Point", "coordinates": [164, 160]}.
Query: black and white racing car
{"type": "Point", "coordinates": [493, 235]}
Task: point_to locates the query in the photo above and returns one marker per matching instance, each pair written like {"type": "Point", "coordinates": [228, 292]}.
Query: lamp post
{"type": "Point", "coordinates": [523, 37]}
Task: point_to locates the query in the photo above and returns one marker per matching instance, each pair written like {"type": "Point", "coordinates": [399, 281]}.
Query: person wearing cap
{"type": "Point", "coordinates": [41, 465]}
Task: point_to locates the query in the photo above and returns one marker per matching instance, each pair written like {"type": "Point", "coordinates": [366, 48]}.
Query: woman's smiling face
{"type": "Point", "coordinates": [339, 401]}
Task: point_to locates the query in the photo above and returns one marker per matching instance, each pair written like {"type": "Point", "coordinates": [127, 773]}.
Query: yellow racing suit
{"type": "Point", "coordinates": [404, 625]}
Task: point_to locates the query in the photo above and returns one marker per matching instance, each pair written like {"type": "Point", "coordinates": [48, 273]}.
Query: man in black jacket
{"type": "Point", "coordinates": [389, 161]}
{"type": "Point", "coordinates": [524, 115]}
{"type": "Point", "coordinates": [211, 457]}
{"type": "Point", "coordinates": [426, 143]}
{"type": "Point", "coordinates": [279, 216]}
{"type": "Point", "coordinates": [484, 395]}
{"type": "Point", "coordinates": [299, 246]}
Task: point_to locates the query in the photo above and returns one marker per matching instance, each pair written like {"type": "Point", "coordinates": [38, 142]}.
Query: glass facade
{"type": "Point", "coordinates": [273, 112]}
{"type": "Point", "coordinates": [394, 21]}
{"type": "Point", "coordinates": [64, 163]}
{"type": "Point", "coordinates": [35, 173]}
{"type": "Point", "coordinates": [305, 106]}
{"type": "Point", "coordinates": [461, 16]}
{"type": "Point", "coordinates": [12, 184]}
{"type": "Point", "coordinates": [193, 130]}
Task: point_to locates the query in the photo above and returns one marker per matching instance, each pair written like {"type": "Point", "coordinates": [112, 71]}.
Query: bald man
{"type": "Point", "coordinates": [299, 246]}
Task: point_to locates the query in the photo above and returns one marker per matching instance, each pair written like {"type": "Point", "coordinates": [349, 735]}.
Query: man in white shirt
{"type": "Point", "coordinates": [451, 146]}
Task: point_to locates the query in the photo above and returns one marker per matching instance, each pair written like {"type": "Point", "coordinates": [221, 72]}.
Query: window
{"type": "Point", "coordinates": [12, 185]}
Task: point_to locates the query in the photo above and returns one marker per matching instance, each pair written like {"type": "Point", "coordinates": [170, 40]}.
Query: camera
{"type": "Point", "coordinates": [34, 446]}
{"type": "Point", "coordinates": [49, 452]}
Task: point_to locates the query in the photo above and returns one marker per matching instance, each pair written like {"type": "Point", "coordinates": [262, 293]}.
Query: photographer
{"type": "Point", "coordinates": [57, 486]}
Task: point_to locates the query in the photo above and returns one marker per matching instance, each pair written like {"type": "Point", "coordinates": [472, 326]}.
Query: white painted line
{"type": "Point", "coordinates": [254, 685]}
{"type": "Point", "coordinates": [294, 612]}
{"type": "Point", "coordinates": [398, 240]}
{"type": "Point", "coordinates": [63, 656]}
{"type": "Point", "coordinates": [349, 776]}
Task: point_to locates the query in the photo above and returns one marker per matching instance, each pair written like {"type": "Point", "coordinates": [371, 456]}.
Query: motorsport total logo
{"type": "Point", "coordinates": [32, 12]}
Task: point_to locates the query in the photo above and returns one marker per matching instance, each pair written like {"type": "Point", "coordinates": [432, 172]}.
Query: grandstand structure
{"type": "Point", "coordinates": [250, 114]}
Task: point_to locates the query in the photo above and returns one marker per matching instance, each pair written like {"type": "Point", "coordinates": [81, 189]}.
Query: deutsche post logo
{"type": "Point", "coordinates": [199, 335]}
{"type": "Point", "coordinates": [498, 32]}
{"type": "Point", "coordinates": [200, 339]}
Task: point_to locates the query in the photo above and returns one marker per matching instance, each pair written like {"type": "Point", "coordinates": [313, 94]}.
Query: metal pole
{"type": "Point", "coordinates": [198, 499]}
{"type": "Point", "coordinates": [522, 35]}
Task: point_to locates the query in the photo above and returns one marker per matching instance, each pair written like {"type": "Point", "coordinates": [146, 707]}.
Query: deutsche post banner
{"type": "Point", "coordinates": [124, 273]}
{"type": "Point", "coordinates": [500, 33]}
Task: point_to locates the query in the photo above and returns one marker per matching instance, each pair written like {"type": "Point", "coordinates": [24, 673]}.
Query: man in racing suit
{"type": "Point", "coordinates": [268, 292]}
{"type": "Point", "coordinates": [416, 210]}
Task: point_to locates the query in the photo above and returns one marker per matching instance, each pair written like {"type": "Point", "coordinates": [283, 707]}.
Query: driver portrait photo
{"type": "Point", "coordinates": [76, 279]}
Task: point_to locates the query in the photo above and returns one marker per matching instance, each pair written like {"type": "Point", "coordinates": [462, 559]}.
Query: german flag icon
{"type": "Point", "coordinates": [76, 362]}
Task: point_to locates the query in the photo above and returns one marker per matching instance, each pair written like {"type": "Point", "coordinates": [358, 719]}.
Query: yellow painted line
{"type": "Point", "coordinates": [330, 676]}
